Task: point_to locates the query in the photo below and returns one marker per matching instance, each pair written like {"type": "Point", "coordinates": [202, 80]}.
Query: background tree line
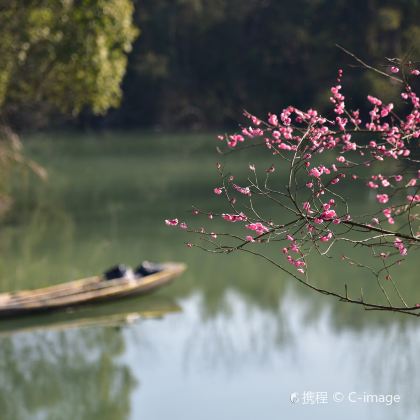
{"type": "Point", "coordinates": [198, 63]}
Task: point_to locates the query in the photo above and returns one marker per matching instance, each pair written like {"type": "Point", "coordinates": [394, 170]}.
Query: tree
{"type": "Point", "coordinates": [58, 56]}
{"type": "Point", "coordinates": [63, 55]}
{"type": "Point", "coordinates": [302, 204]}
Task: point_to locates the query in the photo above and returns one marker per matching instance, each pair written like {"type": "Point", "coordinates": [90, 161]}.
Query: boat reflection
{"type": "Point", "coordinates": [116, 314]}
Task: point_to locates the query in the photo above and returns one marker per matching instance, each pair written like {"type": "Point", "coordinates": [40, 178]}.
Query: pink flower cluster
{"type": "Point", "coordinates": [234, 139]}
{"type": "Point", "coordinates": [399, 244]}
{"type": "Point", "coordinates": [413, 198]}
{"type": "Point", "coordinates": [388, 214]}
{"type": "Point", "coordinates": [337, 98]}
{"type": "Point", "coordinates": [344, 147]}
{"type": "Point", "coordinates": [326, 238]}
{"type": "Point", "coordinates": [242, 190]}
{"type": "Point", "coordinates": [382, 198]}
{"type": "Point", "coordinates": [175, 222]}
{"type": "Point", "coordinates": [258, 227]}
{"type": "Point", "coordinates": [293, 247]}
{"type": "Point", "coordinates": [241, 217]}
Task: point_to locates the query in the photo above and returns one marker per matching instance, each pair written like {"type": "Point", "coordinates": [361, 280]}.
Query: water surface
{"type": "Point", "coordinates": [232, 338]}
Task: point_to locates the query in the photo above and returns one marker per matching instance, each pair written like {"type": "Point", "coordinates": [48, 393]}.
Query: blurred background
{"type": "Point", "coordinates": [191, 63]}
{"type": "Point", "coordinates": [108, 116]}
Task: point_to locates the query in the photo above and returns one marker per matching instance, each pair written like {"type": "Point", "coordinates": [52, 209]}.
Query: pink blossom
{"type": "Point", "coordinates": [218, 191]}
{"type": "Point", "coordinates": [307, 207]}
{"type": "Point", "coordinates": [171, 222]}
{"type": "Point", "coordinates": [399, 244]}
{"type": "Point", "coordinates": [249, 238]}
{"type": "Point", "coordinates": [299, 263]}
{"type": "Point", "coordinates": [386, 110]}
{"type": "Point", "coordinates": [315, 172]}
{"type": "Point", "coordinates": [371, 184]}
{"type": "Point", "coordinates": [273, 120]}
{"type": "Point", "coordinates": [387, 212]}
{"type": "Point", "coordinates": [335, 181]}
{"type": "Point", "coordinates": [382, 198]}
{"type": "Point", "coordinates": [234, 139]}
{"type": "Point", "coordinates": [242, 190]}
{"type": "Point", "coordinates": [326, 237]}
{"type": "Point", "coordinates": [234, 217]}
{"type": "Point", "coordinates": [254, 132]}
{"type": "Point", "coordinates": [310, 228]}
{"type": "Point", "coordinates": [255, 120]}
{"type": "Point", "coordinates": [415, 72]}
{"type": "Point", "coordinates": [183, 225]}
{"type": "Point", "coordinates": [294, 248]}
{"type": "Point", "coordinates": [394, 69]}
{"type": "Point", "coordinates": [276, 134]}
{"type": "Point", "coordinates": [414, 198]}
{"type": "Point", "coordinates": [258, 227]}
{"type": "Point", "coordinates": [329, 214]}
{"type": "Point", "coordinates": [374, 101]}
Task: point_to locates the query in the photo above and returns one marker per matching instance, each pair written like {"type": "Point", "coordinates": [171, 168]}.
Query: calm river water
{"type": "Point", "coordinates": [233, 338]}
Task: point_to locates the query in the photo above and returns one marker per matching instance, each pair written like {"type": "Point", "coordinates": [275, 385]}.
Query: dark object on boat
{"type": "Point", "coordinates": [116, 272]}
{"type": "Point", "coordinates": [147, 268]}
{"type": "Point", "coordinates": [88, 290]}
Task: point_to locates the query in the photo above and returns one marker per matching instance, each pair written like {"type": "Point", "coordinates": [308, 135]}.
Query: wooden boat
{"type": "Point", "coordinates": [88, 290]}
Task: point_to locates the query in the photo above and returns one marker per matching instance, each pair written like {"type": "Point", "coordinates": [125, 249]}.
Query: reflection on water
{"type": "Point", "coordinates": [245, 364]}
{"type": "Point", "coordinates": [111, 314]}
{"type": "Point", "coordinates": [65, 375]}
{"type": "Point", "coordinates": [245, 338]}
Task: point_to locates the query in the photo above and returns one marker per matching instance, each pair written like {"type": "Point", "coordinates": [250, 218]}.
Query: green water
{"type": "Point", "coordinates": [232, 338]}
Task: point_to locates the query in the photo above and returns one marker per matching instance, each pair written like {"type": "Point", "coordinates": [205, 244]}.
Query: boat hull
{"type": "Point", "coordinates": [85, 291]}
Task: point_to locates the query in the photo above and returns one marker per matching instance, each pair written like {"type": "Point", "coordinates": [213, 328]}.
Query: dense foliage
{"type": "Point", "coordinates": [57, 57]}
{"type": "Point", "coordinates": [199, 62]}
{"type": "Point", "coordinates": [63, 54]}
